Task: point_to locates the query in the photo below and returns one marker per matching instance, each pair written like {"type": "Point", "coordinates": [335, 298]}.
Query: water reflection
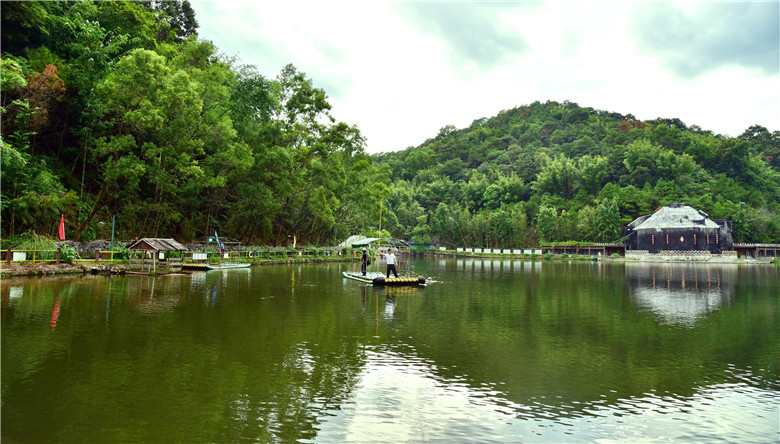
{"type": "Point", "coordinates": [681, 294]}
{"type": "Point", "coordinates": [493, 266]}
{"type": "Point", "coordinates": [494, 351]}
{"type": "Point", "coordinates": [399, 398]}
{"type": "Point", "coordinates": [402, 397]}
{"type": "Point", "coordinates": [152, 295]}
{"type": "Point", "coordinates": [15, 292]}
{"type": "Point", "coordinates": [197, 281]}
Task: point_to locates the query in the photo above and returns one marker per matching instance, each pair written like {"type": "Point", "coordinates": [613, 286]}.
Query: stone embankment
{"type": "Point", "coordinates": [41, 269]}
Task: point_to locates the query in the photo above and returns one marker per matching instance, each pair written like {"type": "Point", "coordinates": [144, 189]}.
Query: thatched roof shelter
{"type": "Point", "coordinates": [156, 262]}
{"type": "Point", "coordinates": [156, 244]}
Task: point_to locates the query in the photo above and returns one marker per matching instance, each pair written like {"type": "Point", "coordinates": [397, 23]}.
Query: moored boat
{"type": "Point", "coordinates": [226, 266]}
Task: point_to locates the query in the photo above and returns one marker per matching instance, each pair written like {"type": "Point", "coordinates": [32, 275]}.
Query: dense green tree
{"type": "Point", "coordinates": [421, 232]}
{"type": "Point", "coordinates": [607, 224]}
{"type": "Point", "coordinates": [592, 173]}
{"type": "Point", "coordinates": [417, 161]}
{"type": "Point", "coordinates": [545, 220]}
{"type": "Point", "coordinates": [586, 221]}
{"type": "Point", "coordinates": [558, 176]}
{"type": "Point", "coordinates": [176, 19]}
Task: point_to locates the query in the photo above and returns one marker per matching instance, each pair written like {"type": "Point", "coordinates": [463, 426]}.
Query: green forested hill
{"type": "Point", "coordinates": [558, 172]}
{"type": "Point", "coordinates": [117, 109]}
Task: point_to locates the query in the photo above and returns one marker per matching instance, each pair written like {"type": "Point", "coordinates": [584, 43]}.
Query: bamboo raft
{"type": "Point", "coordinates": [378, 279]}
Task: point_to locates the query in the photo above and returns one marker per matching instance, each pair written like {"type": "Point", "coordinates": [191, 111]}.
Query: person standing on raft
{"type": "Point", "coordinates": [364, 262]}
{"type": "Point", "coordinates": [390, 263]}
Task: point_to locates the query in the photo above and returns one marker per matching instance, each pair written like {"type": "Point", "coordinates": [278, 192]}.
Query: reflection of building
{"type": "Point", "coordinates": [678, 227]}
{"type": "Point", "coordinates": [681, 293]}
{"type": "Point", "coordinates": [154, 295]}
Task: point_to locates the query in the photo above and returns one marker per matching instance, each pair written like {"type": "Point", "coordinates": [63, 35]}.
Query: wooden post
{"type": "Point", "coordinates": [97, 255]}
{"type": "Point", "coordinates": [8, 256]}
{"type": "Point", "coordinates": [59, 253]}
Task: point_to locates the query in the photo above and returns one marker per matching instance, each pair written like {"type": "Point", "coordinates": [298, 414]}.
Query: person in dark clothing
{"type": "Point", "coordinates": [364, 262]}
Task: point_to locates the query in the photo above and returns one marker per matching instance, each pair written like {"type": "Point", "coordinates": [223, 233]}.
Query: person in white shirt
{"type": "Point", "coordinates": [390, 263]}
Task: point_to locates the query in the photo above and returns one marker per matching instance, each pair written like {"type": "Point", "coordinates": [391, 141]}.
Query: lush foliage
{"type": "Point", "coordinates": [118, 109]}
{"type": "Point", "coordinates": [550, 172]}
{"type": "Point", "coordinates": [44, 247]}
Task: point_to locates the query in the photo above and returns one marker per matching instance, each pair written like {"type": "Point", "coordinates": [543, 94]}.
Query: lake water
{"type": "Point", "coordinates": [490, 351]}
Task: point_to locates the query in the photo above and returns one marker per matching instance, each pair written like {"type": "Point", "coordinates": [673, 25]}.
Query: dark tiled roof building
{"type": "Point", "coordinates": [678, 227]}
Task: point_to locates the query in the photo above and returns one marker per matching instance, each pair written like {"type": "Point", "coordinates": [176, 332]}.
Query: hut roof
{"type": "Point", "coordinates": [674, 216]}
{"type": "Point", "coordinates": [156, 244]}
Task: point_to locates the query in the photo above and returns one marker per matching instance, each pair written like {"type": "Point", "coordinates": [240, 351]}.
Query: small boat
{"type": "Point", "coordinates": [378, 279]}
{"type": "Point", "coordinates": [226, 266]}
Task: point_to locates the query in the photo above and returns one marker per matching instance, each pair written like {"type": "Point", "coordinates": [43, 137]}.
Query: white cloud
{"type": "Point", "coordinates": [401, 75]}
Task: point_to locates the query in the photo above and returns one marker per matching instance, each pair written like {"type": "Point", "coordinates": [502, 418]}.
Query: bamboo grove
{"type": "Point", "coordinates": [117, 110]}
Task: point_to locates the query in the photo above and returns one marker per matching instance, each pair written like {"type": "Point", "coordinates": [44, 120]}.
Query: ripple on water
{"type": "Point", "coordinates": [401, 397]}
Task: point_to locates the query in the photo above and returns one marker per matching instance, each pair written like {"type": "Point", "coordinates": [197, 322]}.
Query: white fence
{"type": "Point", "coordinates": [516, 251]}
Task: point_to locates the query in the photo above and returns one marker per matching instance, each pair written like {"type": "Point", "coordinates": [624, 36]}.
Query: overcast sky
{"type": "Point", "coordinates": [402, 70]}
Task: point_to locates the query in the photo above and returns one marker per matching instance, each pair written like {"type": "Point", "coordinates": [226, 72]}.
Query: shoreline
{"type": "Point", "coordinates": [653, 259]}
{"type": "Point", "coordinates": [48, 269]}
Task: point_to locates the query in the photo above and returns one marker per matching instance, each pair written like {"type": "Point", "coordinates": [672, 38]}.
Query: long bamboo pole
{"type": "Point", "coordinates": [379, 242]}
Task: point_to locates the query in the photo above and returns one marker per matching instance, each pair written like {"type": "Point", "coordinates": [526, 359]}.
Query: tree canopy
{"type": "Point", "coordinates": [120, 109]}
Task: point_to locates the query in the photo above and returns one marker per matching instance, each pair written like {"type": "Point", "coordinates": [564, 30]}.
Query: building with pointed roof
{"type": "Point", "coordinates": [678, 227]}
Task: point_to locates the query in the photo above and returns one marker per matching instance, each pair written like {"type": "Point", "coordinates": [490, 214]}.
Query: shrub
{"type": "Point", "coordinates": [615, 256]}
{"type": "Point", "coordinates": [121, 252]}
{"type": "Point", "coordinates": [69, 254]}
{"type": "Point", "coordinates": [46, 246]}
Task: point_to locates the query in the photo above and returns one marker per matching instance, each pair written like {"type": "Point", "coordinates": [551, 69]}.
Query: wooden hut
{"type": "Point", "coordinates": [678, 227]}
{"type": "Point", "coordinates": [153, 255]}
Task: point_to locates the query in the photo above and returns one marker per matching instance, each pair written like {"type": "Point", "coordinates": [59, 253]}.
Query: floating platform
{"type": "Point", "coordinates": [226, 266]}
{"type": "Point", "coordinates": [379, 280]}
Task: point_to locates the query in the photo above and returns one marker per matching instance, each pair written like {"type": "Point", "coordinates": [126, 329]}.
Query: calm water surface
{"type": "Point", "coordinates": [491, 351]}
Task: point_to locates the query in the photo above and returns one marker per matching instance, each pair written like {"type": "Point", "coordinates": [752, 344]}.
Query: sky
{"type": "Point", "coordinates": [400, 71]}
